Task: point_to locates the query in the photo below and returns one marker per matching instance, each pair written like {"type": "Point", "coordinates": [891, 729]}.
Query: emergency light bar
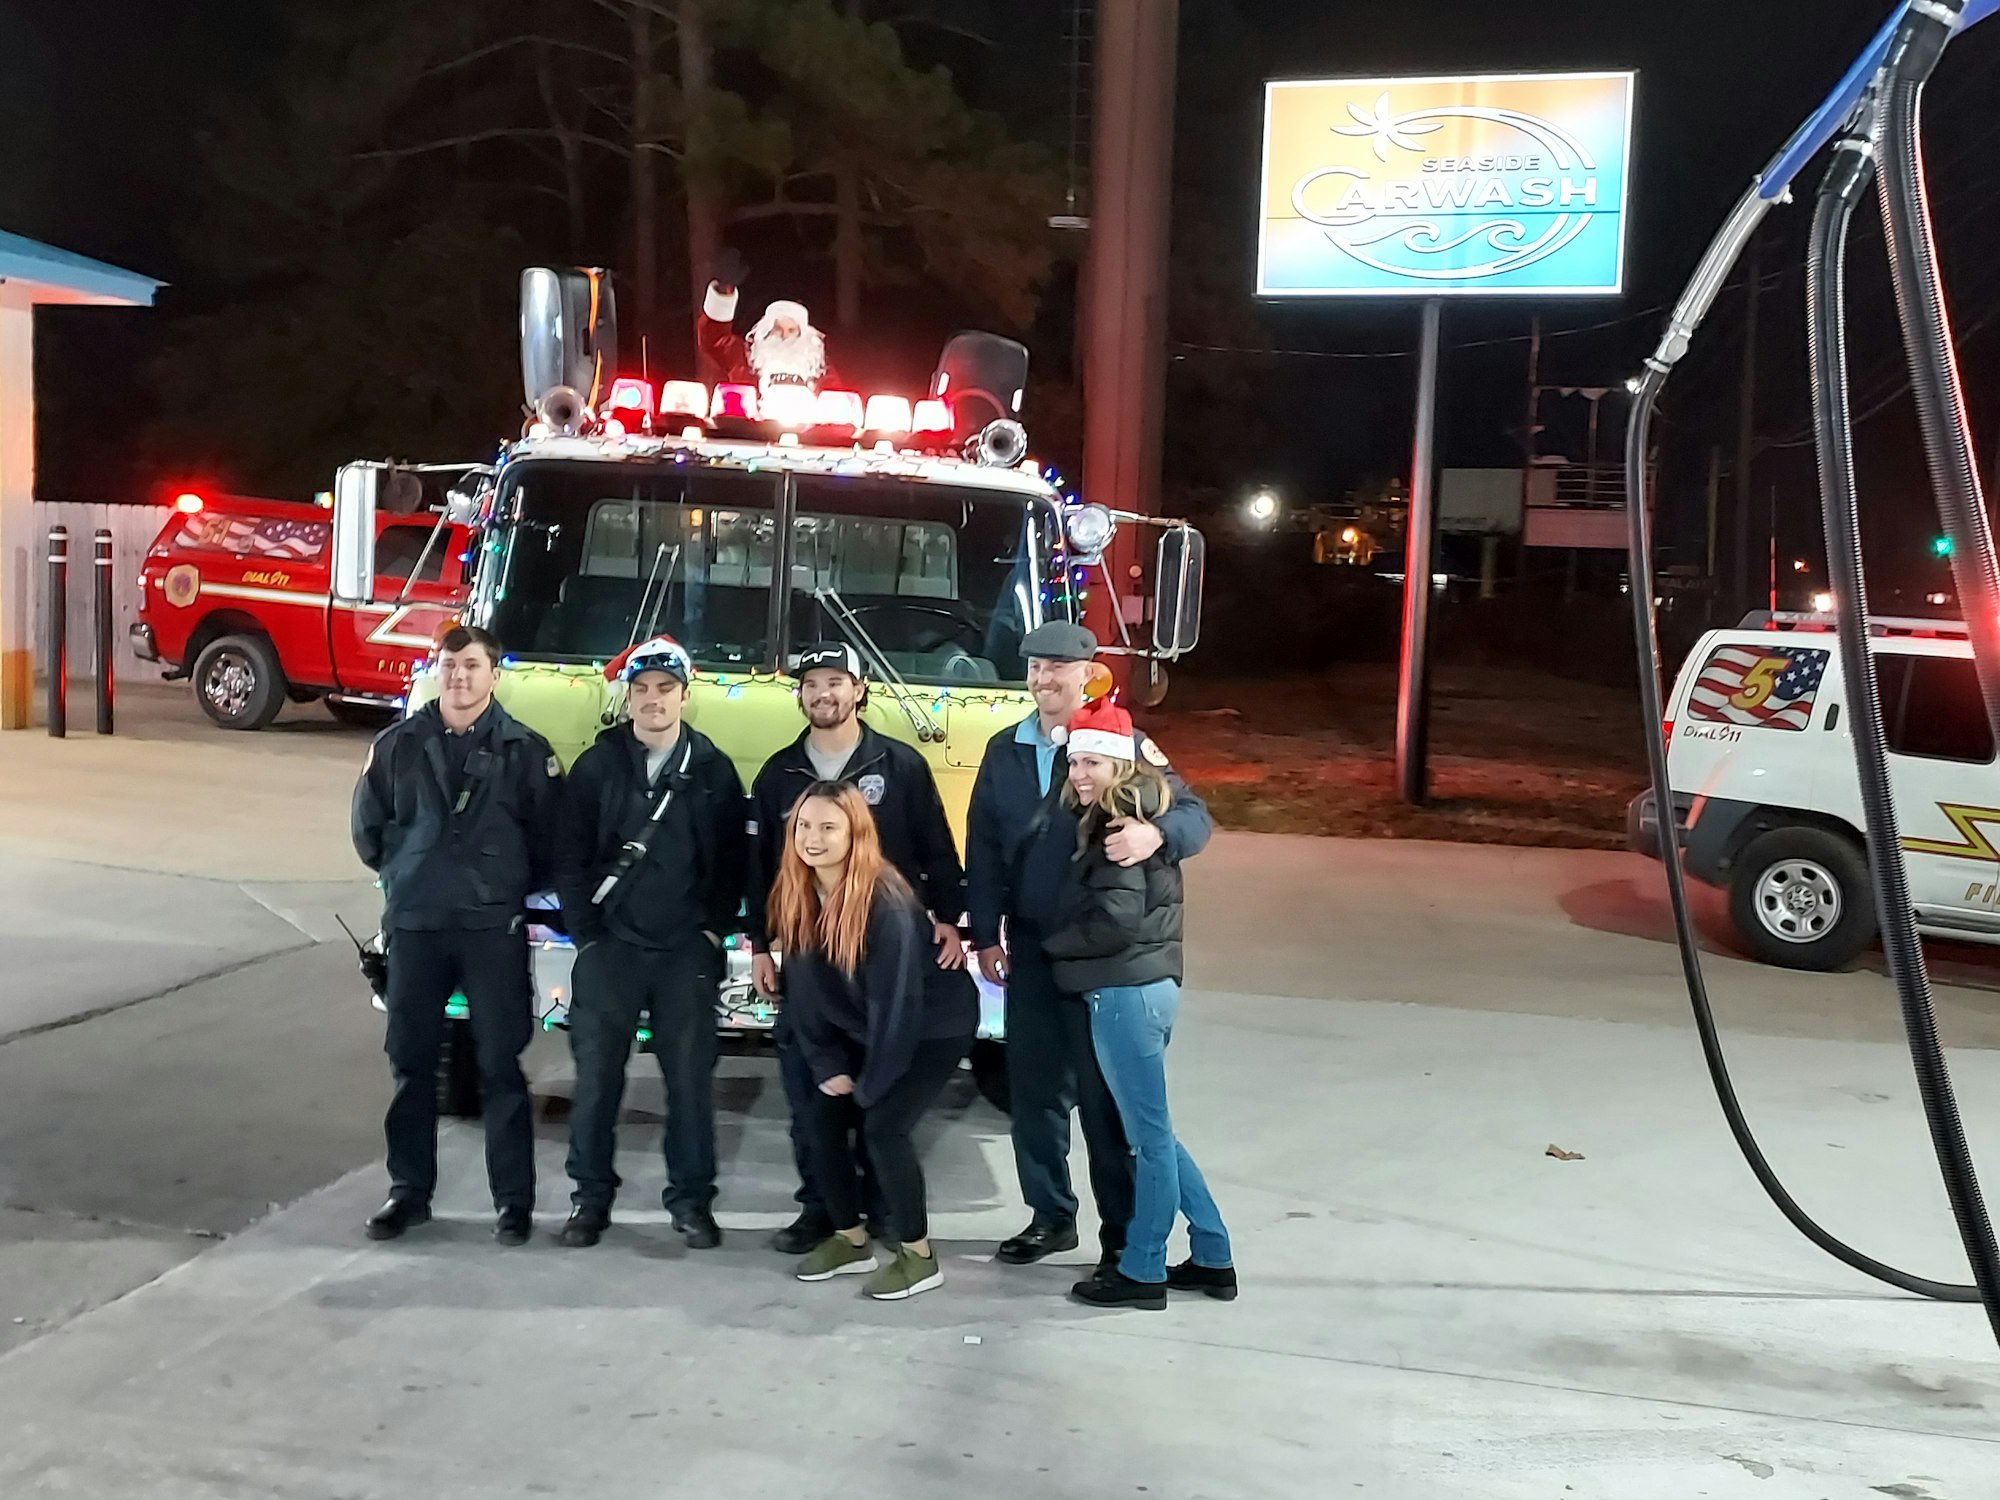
{"type": "Point", "coordinates": [790, 413]}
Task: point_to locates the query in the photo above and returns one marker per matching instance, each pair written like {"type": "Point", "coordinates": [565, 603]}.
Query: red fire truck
{"type": "Point", "coordinates": [238, 595]}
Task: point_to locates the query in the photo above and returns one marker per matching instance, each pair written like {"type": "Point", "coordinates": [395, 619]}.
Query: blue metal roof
{"type": "Point", "coordinates": [31, 261]}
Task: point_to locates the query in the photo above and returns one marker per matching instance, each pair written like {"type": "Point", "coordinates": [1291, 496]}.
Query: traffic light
{"type": "Point", "coordinates": [1941, 546]}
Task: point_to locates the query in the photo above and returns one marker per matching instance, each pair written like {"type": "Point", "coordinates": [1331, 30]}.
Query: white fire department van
{"type": "Point", "coordinates": [1768, 805]}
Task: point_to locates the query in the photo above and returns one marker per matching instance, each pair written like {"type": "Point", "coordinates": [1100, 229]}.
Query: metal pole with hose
{"type": "Point", "coordinates": [1902, 47]}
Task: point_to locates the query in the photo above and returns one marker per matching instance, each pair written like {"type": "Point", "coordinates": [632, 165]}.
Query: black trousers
{"type": "Point", "coordinates": [612, 983]}
{"type": "Point", "coordinates": [491, 968]}
{"type": "Point", "coordinates": [886, 1126]}
{"type": "Point", "coordinates": [1052, 1069]}
{"type": "Point", "coordinates": [802, 1097]}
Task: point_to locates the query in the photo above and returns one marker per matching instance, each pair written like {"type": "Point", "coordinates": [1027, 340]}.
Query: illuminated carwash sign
{"type": "Point", "coordinates": [1508, 184]}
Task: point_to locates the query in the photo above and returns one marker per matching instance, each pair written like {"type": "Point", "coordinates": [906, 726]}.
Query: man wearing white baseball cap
{"type": "Point", "coordinates": [649, 865]}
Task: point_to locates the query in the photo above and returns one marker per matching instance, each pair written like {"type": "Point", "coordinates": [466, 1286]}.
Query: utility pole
{"type": "Point", "coordinates": [1125, 293]}
{"type": "Point", "coordinates": [1714, 508]}
{"type": "Point", "coordinates": [1746, 429]}
{"type": "Point", "coordinates": [1528, 441]}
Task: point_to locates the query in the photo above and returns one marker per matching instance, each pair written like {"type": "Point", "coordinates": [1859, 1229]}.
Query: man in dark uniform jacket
{"type": "Point", "coordinates": [649, 865]}
{"type": "Point", "coordinates": [896, 782]}
{"type": "Point", "coordinates": [455, 812]}
{"type": "Point", "coordinates": [1019, 843]}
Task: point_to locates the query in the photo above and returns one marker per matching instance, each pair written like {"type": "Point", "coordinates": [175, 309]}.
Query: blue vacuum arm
{"type": "Point", "coordinates": [1826, 121]}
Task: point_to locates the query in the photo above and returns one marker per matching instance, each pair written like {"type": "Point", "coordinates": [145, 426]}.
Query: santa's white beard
{"type": "Point", "coordinates": [800, 357]}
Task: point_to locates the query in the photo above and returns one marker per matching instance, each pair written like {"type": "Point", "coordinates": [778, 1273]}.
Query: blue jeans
{"type": "Point", "coordinates": [1130, 1027]}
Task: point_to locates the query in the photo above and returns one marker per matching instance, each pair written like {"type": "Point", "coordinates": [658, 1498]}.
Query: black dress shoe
{"type": "Point", "coordinates": [585, 1228]}
{"type": "Point", "coordinates": [1120, 1290]}
{"type": "Point", "coordinates": [390, 1220]}
{"type": "Point", "coordinates": [1218, 1282]}
{"type": "Point", "coordinates": [513, 1226]}
{"type": "Point", "coordinates": [803, 1233]}
{"type": "Point", "coordinates": [699, 1229]}
{"type": "Point", "coordinates": [1036, 1242]}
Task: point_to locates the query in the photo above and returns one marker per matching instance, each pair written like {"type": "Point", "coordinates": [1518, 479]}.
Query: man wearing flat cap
{"type": "Point", "coordinates": [1019, 841]}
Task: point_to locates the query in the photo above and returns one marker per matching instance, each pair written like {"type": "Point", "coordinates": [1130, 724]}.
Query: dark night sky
{"type": "Point", "coordinates": [103, 116]}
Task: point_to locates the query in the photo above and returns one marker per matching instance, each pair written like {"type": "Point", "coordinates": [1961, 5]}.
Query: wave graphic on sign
{"type": "Point", "coordinates": [1511, 241]}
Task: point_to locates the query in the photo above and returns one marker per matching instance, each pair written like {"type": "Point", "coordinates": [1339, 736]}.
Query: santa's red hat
{"type": "Point", "coordinates": [1100, 728]}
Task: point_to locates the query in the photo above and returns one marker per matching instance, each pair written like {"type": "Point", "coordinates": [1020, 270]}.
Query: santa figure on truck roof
{"type": "Point", "coordinates": [783, 348]}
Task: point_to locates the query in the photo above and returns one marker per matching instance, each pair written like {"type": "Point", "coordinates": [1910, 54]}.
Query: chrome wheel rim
{"type": "Point", "coordinates": [227, 684]}
{"type": "Point", "coordinates": [1798, 901]}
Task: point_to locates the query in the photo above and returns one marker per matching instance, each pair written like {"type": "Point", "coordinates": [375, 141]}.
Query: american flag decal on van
{"type": "Point", "coordinates": [1766, 689]}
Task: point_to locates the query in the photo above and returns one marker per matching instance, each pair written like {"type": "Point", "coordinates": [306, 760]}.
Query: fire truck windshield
{"type": "Point", "coordinates": [944, 580]}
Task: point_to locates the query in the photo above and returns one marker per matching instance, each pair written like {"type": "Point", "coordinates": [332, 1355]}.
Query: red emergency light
{"type": "Point", "coordinates": [887, 415]}
{"type": "Point", "coordinates": [188, 504]}
{"type": "Point", "coordinates": [632, 395]}
{"type": "Point", "coordinates": [932, 422]}
{"type": "Point", "coordinates": [733, 403]}
{"type": "Point", "coordinates": [839, 412]}
{"type": "Point", "coordinates": [789, 406]}
{"type": "Point", "coordinates": [684, 398]}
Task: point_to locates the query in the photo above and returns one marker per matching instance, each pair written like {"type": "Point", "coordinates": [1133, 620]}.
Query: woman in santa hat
{"type": "Point", "coordinates": [1118, 944]}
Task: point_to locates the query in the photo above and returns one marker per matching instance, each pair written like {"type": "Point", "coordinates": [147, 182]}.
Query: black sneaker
{"type": "Point", "coordinates": [390, 1220]}
{"type": "Point", "coordinates": [1218, 1282]}
{"type": "Point", "coordinates": [513, 1226]}
{"type": "Point", "coordinates": [586, 1226]}
{"type": "Point", "coordinates": [1120, 1290]}
{"type": "Point", "coordinates": [803, 1234]}
{"type": "Point", "coordinates": [699, 1229]}
{"type": "Point", "coordinates": [1037, 1242]}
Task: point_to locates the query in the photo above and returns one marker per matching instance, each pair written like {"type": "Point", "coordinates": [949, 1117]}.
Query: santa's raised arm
{"type": "Point", "coordinates": [782, 349]}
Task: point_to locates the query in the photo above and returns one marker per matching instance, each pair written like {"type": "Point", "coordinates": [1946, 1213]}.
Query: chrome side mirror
{"type": "Point", "coordinates": [1177, 585]}
{"type": "Point", "coordinates": [356, 492]}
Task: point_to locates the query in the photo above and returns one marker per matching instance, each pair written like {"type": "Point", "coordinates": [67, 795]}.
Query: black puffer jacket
{"type": "Point", "coordinates": [1117, 925]}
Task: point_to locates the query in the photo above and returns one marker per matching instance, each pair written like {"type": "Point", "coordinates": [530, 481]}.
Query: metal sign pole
{"type": "Point", "coordinates": [1419, 548]}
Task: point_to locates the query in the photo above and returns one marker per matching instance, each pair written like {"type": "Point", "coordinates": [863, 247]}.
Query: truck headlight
{"type": "Point", "coordinates": [1089, 528]}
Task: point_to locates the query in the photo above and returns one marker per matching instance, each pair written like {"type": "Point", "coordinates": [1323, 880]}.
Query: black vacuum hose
{"type": "Point", "coordinates": [1645, 621]}
{"type": "Point", "coordinates": [1921, 36]}
{"type": "Point", "coordinates": [1913, 268]}
{"type": "Point", "coordinates": [1826, 271]}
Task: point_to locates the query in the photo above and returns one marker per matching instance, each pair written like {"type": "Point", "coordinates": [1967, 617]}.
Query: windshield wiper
{"type": "Point", "coordinates": [857, 636]}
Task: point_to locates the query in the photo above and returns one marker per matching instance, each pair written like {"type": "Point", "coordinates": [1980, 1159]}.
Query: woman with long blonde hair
{"type": "Point", "coordinates": [882, 1026]}
{"type": "Point", "coordinates": [1118, 944]}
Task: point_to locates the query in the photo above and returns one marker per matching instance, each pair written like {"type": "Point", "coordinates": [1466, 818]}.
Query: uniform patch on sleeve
{"type": "Point", "coordinates": [872, 787]}
{"type": "Point", "coordinates": [751, 828]}
{"type": "Point", "coordinates": [1154, 754]}
{"type": "Point", "coordinates": [555, 766]}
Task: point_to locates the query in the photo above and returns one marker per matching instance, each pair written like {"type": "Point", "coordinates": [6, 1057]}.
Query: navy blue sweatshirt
{"type": "Point", "coordinates": [867, 1025]}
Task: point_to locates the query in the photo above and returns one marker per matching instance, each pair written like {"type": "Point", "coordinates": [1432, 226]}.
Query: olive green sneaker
{"type": "Point", "coordinates": [905, 1276]}
{"type": "Point", "coordinates": [833, 1257]}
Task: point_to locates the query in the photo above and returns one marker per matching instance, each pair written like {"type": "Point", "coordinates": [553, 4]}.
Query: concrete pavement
{"type": "Point", "coordinates": [1381, 1043]}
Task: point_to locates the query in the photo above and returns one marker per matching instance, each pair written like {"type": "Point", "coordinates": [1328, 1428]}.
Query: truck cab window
{"type": "Point", "coordinates": [600, 554]}
{"type": "Point", "coordinates": [397, 549]}
{"type": "Point", "coordinates": [1932, 708]}
{"type": "Point", "coordinates": [944, 579]}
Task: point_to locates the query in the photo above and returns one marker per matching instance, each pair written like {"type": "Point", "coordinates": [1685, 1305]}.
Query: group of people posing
{"type": "Point", "coordinates": [841, 866]}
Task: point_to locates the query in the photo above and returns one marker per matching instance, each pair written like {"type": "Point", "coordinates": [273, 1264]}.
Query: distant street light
{"type": "Point", "coordinates": [1822, 604]}
{"type": "Point", "coordinates": [1262, 507]}
{"type": "Point", "coordinates": [1798, 565]}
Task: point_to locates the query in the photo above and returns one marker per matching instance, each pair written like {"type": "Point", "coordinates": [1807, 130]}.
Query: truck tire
{"type": "Point", "coordinates": [989, 1073]}
{"type": "Point", "coordinates": [1801, 898]}
{"type": "Point", "coordinates": [238, 682]}
{"type": "Point", "coordinates": [458, 1072]}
